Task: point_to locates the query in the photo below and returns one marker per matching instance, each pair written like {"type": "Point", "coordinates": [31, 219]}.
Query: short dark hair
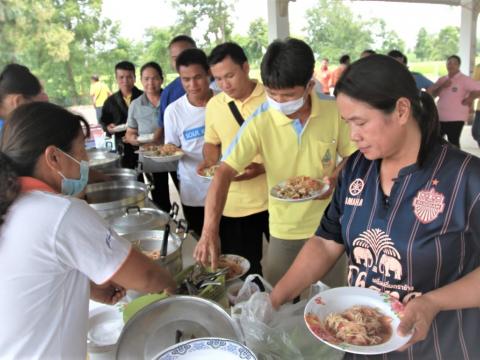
{"type": "Point", "coordinates": [398, 54]}
{"type": "Point", "coordinates": [456, 57]}
{"type": "Point", "coordinates": [344, 59]}
{"type": "Point", "coordinates": [220, 52]}
{"type": "Point", "coordinates": [125, 65]}
{"type": "Point", "coordinates": [379, 81]}
{"type": "Point", "coordinates": [31, 128]}
{"type": "Point", "coordinates": [192, 57]}
{"type": "Point", "coordinates": [287, 63]}
{"type": "Point", "coordinates": [17, 79]}
{"type": "Point", "coordinates": [153, 65]}
{"type": "Point", "coordinates": [369, 52]}
{"type": "Point", "coordinates": [95, 77]}
{"type": "Point", "coordinates": [182, 38]}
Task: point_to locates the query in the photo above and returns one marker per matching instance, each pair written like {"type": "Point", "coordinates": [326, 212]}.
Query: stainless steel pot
{"type": "Point", "coordinates": [151, 240]}
{"type": "Point", "coordinates": [137, 219]}
{"type": "Point", "coordinates": [103, 159]}
{"type": "Point", "coordinates": [114, 197]}
{"type": "Point", "coordinates": [157, 326]}
{"type": "Point", "coordinates": [121, 174]}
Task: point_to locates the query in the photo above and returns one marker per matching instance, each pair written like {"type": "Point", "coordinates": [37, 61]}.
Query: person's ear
{"type": "Point", "coordinates": [246, 67]}
{"type": "Point", "coordinates": [52, 158]}
{"type": "Point", "coordinates": [403, 109]}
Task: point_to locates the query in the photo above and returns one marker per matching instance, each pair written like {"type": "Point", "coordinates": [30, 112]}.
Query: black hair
{"type": "Point", "coordinates": [95, 77]}
{"type": "Point", "coordinates": [125, 65]}
{"type": "Point", "coordinates": [30, 130]}
{"type": "Point", "coordinates": [17, 79]}
{"type": "Point", "coordinates": [456, 57]}
{"type": "Point", "coordinates": [182, 38]}
{"type": "Point", "coordinates": [153, 65]}
{"type": "Point", "coordinates": [368, 52]}
{"type": "Point", "coordinates": [220, 52]}
{"type": "Point", "coordinates": [287, 63]}
{"type": "Point", "coordinates": [380, 81]}
{"type": "Point", "coordinates": [344, 59]}
{"type": "Point", "coordinates": [192, 56]}
{"type": "Point", "coordinates": [398, 54]}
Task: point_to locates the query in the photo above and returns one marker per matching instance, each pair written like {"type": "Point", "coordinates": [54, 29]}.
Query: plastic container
{"type": "Point", "coordinates": [105, 324]}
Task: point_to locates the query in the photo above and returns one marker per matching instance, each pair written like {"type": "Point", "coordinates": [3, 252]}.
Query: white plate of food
{"type": "Point", "coordinates": [208, 172]}
{"type": "Point", "coordinates": [163, 153]}
{"type": "Point", "coordinates": [119, 128]}
{"type": "Point", "coordinates": [356, 320]}
{"type": "Point", "coordinates": [145, 138]}
{"type": "Point", "coordinates": [207, 349]}
{"type": "Point", "coordinates": [298, 189]}
{"type": "Point", "coordinates": [237, 266]}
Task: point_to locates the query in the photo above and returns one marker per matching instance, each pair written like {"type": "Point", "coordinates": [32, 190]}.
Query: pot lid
{"type": "Point", "coordinates": [138, 219]}
{"type": "Point", "coordinates": [159, 325]}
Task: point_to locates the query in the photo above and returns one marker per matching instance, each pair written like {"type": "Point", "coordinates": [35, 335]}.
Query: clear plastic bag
{"type": "Point", "coordinates": [281, 334]}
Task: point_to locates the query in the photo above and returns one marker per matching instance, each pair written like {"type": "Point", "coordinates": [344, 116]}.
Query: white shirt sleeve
{"type": "Point", "coordinates": [169, 123]}
{"type": "Point", "coordinates": [84, 242]}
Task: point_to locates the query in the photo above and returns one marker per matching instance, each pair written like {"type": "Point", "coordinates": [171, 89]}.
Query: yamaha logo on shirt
{"type": "Point", "coordinates": [194, 133]}
{"type": "Point", "coordinates": [355, 188]}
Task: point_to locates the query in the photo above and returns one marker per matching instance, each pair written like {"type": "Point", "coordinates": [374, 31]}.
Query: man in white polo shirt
{"type": "Point", "coordinates": [185, 127]}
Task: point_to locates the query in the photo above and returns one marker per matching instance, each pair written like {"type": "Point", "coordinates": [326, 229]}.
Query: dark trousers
{"type": "Point", "coordinates": [243, 236]}
{"type": "Point", "coordinates": [160, 192]}
{"type": "Point", "coordinates": [194, 215]}
{"type": "Point", "coordinates": [453, 130]}
{"type": "Point", "coordinates": [476, 127]}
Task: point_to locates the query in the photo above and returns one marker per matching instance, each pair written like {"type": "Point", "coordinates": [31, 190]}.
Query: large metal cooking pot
{"type": "Point", "coordinates": [151, 240]}
{"type": "Point", "coordinates": [159, 325]}
{"type": "Point", "coordinates": [102, 159]}
{"type": "Point", "coordinates": [137, 219]}
{"type": "Point", "coordinates": [121, 174]}
{"type": "Point", "coordinates": [113, 197]}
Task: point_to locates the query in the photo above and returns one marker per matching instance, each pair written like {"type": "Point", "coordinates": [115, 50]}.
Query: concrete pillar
{"type": "Point", "coordinates": [468, 37]}
{"type": "Point", "coordinates": [278, 26]}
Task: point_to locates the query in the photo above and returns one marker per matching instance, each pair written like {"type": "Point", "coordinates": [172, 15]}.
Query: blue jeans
{"type": "Point", "coordinates": [98, 112]}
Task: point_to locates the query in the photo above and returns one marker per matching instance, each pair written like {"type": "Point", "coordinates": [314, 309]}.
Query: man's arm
{"type": "Point", "coordinates": [437, 88]}
{"type": "Point", "coordinates": [131, 136]}
{"type": "Point", "coordinates": [313, 262]}
{"type": "Point", "coordinates": [208, 247]}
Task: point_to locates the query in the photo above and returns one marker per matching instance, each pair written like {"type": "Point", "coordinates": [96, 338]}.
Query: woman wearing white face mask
{"type": "Point", "coordinates": [55, 251]}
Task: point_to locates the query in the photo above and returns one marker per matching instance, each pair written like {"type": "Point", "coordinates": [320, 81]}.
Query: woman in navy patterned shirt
{"type": "Point", "coordinates": [406, 211]}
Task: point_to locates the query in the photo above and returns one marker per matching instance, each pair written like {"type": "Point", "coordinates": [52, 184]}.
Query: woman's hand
{"type": "Point", "coordinates": [417, 318]}
{"type": "Point", "coordinates": [108, 293]}
{"type": "Point", "coordinates": [330, 181]}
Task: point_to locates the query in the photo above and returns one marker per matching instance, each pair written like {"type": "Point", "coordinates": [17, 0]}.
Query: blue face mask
{"type": "Point", "coordinates": [73, 187]}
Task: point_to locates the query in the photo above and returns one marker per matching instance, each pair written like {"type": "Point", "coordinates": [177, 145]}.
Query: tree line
{"type": "Point", "coordinates": [64, 42]}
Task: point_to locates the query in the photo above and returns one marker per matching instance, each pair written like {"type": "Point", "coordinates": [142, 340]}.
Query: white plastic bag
{"type": "Point", "coordinates": [281, 334]}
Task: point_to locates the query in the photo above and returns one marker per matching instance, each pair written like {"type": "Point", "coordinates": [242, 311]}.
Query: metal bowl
{"type": "Point", "coordinates": [102, 159]}
{"type": "Point", "coordinates": [161, 324]}
{"type": "Point", "coordinates": [121, 174]}
{"type": "Point", "coordinates": [113, 197]}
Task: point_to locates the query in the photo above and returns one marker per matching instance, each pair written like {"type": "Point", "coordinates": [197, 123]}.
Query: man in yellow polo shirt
{"type": "Point", "coordinates": [99, 92]}
{"type": "Point", "coordinates": [296, 133]}
{"type": "Point", "coordinates": [245, 216]}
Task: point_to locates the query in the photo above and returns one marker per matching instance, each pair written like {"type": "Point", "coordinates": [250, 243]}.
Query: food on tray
{"type": "Point", "coordinates": [160, 150]}
{"type": "Point", "coordinates": [358, 325]}
{"type": "Point", "coordinates": [298, 187]}
{"type": "Point", "coordinates": [209, 171]}
{"type": "Point", "coordinates": [233, 265]}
